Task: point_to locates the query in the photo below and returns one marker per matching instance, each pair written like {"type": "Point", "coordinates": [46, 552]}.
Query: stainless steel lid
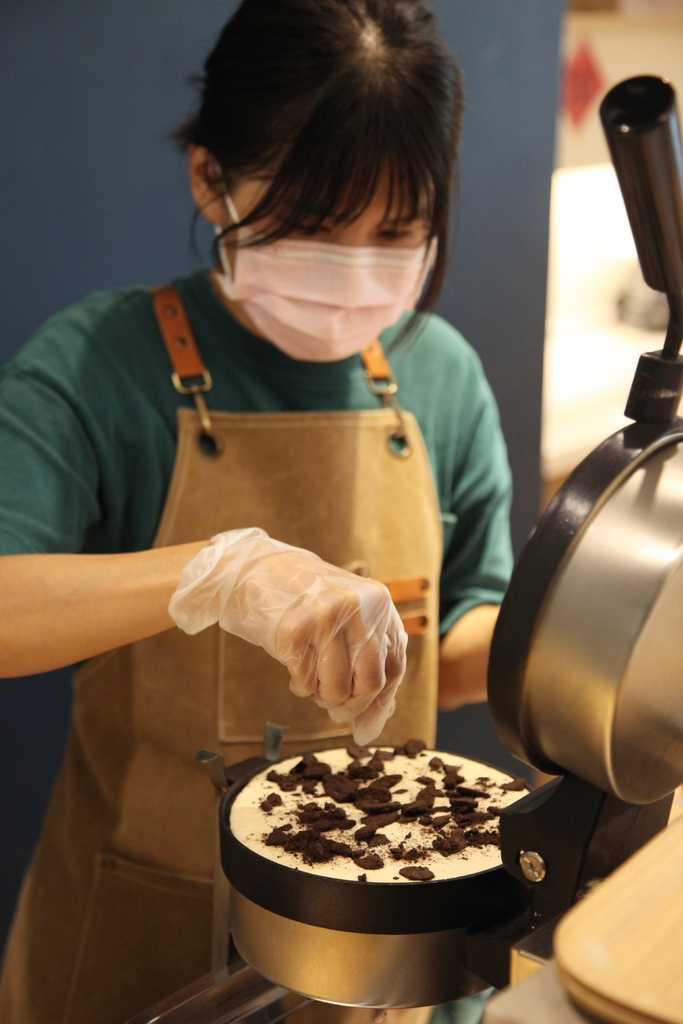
{"type": "Point", "coordinates": [592, 682]}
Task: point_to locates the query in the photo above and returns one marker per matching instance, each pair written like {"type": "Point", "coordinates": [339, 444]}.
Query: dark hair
{"type": "Point", "coordinates": [324, 96]}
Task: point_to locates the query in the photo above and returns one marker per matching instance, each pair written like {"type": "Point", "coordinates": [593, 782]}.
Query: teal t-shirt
{"type": "Point", "coordinates": [88, 429]}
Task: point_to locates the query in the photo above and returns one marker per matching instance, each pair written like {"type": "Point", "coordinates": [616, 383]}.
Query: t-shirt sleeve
{"type": "Point", "coordinates": [476, 523]}
{"type": "Point", "coordinates": [49, 479]}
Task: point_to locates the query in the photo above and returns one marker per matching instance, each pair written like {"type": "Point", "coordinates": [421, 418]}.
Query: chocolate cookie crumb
{"type": "Point", "coordinates": [416, 873]}
{"type": "Point", "coordinates": [370, 861]}
{"type": "Point", "coordinates": [412, 748]}
{"type": "Point", "coordinates": [272, 800]}
{"type": "Point", "coordinates": [515, 786]}
{"type": "Point", "coordinates": [340, 788]}
{"type": "Point", "coordinates": [468, 791]}
{"type": "Point", "coordinates": [287, 783]}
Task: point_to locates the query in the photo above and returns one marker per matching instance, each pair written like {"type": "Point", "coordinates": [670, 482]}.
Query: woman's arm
{"type": "Point", "coordinates": [464, 658]}
{"type": "Point", "coordinates": [59, 609]}
{"type": "Point", "coordinates": [338, 634]}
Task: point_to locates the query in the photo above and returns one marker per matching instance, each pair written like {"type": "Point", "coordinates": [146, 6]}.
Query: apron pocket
{"type": "Point", "coordinates": [147, 933]}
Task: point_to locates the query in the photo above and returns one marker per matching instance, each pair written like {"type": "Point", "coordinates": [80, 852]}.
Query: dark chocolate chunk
{"type": "Point", "coordinates": [450, 842]}
{"type": "Point", "coordinates": [476, 838]}
{"type": "Point", "coordinates": [369, 861]}
{"type": "Point", "coordinates": [463, 804]}
{"type": "Point", "coordinates": [358, 770]}
{"type": "Point", "coordinates": [313, 768]}
{"type": "Point", "coordinates": [385, 782]}
{"type": "Point", "coordinates": [340, 788]}
{"type": "Point", "coordinates": [287, 783]}
{"type": "Point", "coordinates": [372, 823]}
{"type": "Point", "coordinates": [279, 836]}
{"type": "Point", "coordinates": [376, 801]}
{"type": "Point", "coordinates": [468, 791]}
{"type": "Point", "coordinates": [452, 776]}
{"type": "Point", "coordinates": [440, 820]}
{"type": "Point", "coordinates": [324, 818]}
{"type": "Point", "coordinates": [364, 834]}
{"type": "Point", "coordinates": [417, 873]}
{"type": "Point", "coordinates": [516, 785]}
{"type": "Point", "coordinates": [380, 820]}
{"type": "Point", "coordinates": [385, 755]}
{"type": "Point", "coordinates": [411, 749]}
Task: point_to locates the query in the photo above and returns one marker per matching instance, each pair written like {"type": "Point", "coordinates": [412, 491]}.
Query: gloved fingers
{"type": "Point", "coordinates": [302, 666]}
{"type": "Point", "coordinates": [369, 722]}
{"type": "Point", "coordinates": [334, 675]}
{"type": "Point", "coordinates": [370, 708]}
{"type": "Point", "coordinates": [368, 725]}
{"type": "Point", "coordinates": [344, 650]}
{"type": "Point", "coordinates": [315, 639]}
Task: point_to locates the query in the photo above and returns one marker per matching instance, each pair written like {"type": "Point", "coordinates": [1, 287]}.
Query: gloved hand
{"type": "Point", "coordinates": [338, 634]}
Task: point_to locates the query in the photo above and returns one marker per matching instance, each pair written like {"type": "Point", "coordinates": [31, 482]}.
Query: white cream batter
{"type": "Point", "coordinates": [250, 824]}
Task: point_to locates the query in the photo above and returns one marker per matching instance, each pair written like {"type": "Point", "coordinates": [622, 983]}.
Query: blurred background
{"type": "Point", "coordinates": [543, 267]}
{"type": "Point", "coordinates": [600, 314]}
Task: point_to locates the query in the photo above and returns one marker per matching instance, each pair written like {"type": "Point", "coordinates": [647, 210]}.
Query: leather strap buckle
{"type": "Point", "coordinates": [381, 383]}
{"type": "Point", "coordinates": [189, 376]}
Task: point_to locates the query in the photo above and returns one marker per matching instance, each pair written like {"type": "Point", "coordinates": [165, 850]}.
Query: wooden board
{"type": "Point", "coordinates": [619, 952]}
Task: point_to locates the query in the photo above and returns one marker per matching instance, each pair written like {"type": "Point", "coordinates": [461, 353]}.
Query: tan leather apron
{"type": "Point", "coordinates": [115, 912]}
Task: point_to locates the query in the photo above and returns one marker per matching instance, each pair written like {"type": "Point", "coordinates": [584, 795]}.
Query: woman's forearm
{"type": "Point", "coordinates": [464, 658]}
{"type": "Point", "coordinates": [59, 609]}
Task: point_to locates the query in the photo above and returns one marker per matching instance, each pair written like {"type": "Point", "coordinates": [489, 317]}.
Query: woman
{"type": "Point", "coordinates": [234, 456]}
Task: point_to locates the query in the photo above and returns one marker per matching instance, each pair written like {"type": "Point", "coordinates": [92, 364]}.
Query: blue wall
{"type": "Point", "coordinates": [92, 196]}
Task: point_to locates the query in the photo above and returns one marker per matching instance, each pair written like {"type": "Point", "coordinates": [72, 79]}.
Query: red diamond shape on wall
{"type": "Point", "coordinates": [582, 84]}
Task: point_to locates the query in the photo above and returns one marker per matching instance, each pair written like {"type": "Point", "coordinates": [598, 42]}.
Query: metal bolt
{"type": "Point", "coordinates": [532, 865]}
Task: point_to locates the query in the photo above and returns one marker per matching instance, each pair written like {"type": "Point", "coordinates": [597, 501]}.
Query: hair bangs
{"type": "Point", "coordinates": [333, 176]}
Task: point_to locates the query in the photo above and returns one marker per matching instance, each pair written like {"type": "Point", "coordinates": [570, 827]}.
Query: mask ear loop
{"type": "Point", "coordinates": [229, 273]}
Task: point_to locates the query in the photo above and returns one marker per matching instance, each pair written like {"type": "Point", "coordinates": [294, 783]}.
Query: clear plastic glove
{"type": "Point", "coordinates": [338, 634]}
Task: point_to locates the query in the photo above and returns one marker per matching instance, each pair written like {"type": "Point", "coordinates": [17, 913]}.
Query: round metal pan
{"type": "Point", "coordinates": [358, 943]}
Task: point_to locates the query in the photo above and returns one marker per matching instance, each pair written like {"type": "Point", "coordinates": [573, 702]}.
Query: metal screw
{"type": "Point", "coordinates": [532, 865]}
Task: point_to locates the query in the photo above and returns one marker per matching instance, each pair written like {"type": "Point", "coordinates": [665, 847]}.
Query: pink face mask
{"type": "Point", "coordinates": [320, 301]}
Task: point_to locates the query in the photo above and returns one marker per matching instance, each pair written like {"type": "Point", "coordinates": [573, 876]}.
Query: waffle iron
{"type": "Point", "coordinates": [585, 674]}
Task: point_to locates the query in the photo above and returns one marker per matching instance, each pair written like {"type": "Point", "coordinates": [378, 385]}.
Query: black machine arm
{"type": "Point", "coordinates": [640, 121]}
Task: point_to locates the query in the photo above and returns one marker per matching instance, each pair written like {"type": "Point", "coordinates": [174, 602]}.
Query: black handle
{"type": "Point", "coordinates": [640, 121]}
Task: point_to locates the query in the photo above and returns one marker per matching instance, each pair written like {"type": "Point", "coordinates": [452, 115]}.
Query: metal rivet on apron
{"type": "Point", "coordinates": [209, 445]}
{"type": "Point", "coordinates": [399, 444]}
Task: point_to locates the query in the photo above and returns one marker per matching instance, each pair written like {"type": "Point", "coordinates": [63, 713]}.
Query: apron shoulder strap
{"type": "Point", "coordinates": [186, 360]}
{"type": "Point", "coordinates": [189, 376]}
